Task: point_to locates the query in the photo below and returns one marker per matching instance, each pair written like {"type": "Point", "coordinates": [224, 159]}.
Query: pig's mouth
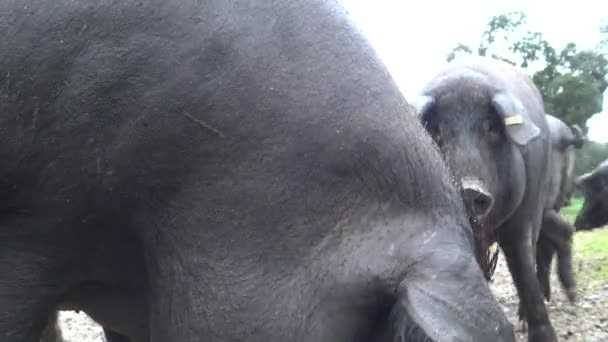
{"type": "Point", "coordinates": [478, 202]}
{"type": "Point", "coordinates": [486, 257]}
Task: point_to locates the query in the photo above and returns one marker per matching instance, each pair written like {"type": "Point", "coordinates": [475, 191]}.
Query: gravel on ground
{"type": "Point", "coordinates": [585, 321]}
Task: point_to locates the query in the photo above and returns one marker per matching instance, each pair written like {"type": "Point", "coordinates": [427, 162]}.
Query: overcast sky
{"type": "Point", "coordinates": [413, 38]}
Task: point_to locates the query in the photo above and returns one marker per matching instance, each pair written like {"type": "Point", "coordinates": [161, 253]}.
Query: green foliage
{"type": "Point", "coordinates": [571, 81]}
{"type": "Point", "coordinates": [458, 51]}
{"type": "Point", "coordinates": [572, 98]}
{"type": "Point", "coordinates": [590, 156]}
{"type": "Point", "coordinates": [602, 47]}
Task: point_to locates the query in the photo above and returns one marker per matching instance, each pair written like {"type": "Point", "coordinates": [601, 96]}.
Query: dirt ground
{"type": "Point", "coordinates": [587, 321]}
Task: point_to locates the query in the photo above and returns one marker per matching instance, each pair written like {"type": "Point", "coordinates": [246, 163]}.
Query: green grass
{"type": "Point", "coordinates": [590, 247]}
{"type": "Point", "coordinates": [591, 254]}
{"type": "Point", "coordinates": [575, 206]}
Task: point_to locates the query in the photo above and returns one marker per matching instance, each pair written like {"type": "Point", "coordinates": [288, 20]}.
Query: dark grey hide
{"type": "Point", "coordinates": [556, 233]}
{"type": "Point", "coordinates": [235, 167]}
{"type": "Point", "coordinates": [489, 122]}
{"type": "Point", "coordinates": [594, 184]}
{"type": "Point", "coordinates": [52, 332]}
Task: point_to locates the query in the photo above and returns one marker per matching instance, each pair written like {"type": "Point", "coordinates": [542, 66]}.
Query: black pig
{"type": "Point", "coordinates": [556, 233]}
{"type": "Point", "coordinates": [488, 119]}
{"type": "Point", "coordinates": [594, 213]}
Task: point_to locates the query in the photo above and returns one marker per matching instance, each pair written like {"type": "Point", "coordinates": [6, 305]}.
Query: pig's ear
{"type": "Point", "coordinates": [515, 117]}
{"type": "Point", "coordinates": [422, 104]}
{"type": "Point", "coordinates": [591, 181]}
{"type": "Point", "coordinates": [579, 137]}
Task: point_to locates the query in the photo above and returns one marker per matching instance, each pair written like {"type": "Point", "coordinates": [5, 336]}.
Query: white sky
{"type": "Point", "coordinates": [413, 38]}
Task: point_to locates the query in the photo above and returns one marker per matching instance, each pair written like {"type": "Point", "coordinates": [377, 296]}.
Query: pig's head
{"type": "Point", "coordinates": [480, 131]}
{"type": "Point", "coordinates": [594, 213]}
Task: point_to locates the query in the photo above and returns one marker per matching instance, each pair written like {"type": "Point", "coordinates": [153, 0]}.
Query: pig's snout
{"type": "Point", "coordinates": [478, 200]}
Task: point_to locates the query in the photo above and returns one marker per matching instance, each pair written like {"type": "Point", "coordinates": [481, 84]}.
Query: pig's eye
{"type": "Point", "coordinates": [492, 130]}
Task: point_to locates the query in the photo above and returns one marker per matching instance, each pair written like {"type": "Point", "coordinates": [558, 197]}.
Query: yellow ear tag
{"type": "Point", "coordinates": [514, 120]}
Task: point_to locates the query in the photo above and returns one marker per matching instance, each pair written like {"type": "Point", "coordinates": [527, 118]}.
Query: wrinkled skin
{"type": "Point", "coordinates": [556, 233]}
{"type": "Point", "coordinates": [594, 185]}
{"type": "Point", "coordinates": [489, 122]}
{"type": "Point", "coordinates": [239, 165]}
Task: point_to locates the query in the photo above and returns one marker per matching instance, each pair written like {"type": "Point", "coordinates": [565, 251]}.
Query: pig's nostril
{"type": "Point", "coordinates": [480, 202]}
